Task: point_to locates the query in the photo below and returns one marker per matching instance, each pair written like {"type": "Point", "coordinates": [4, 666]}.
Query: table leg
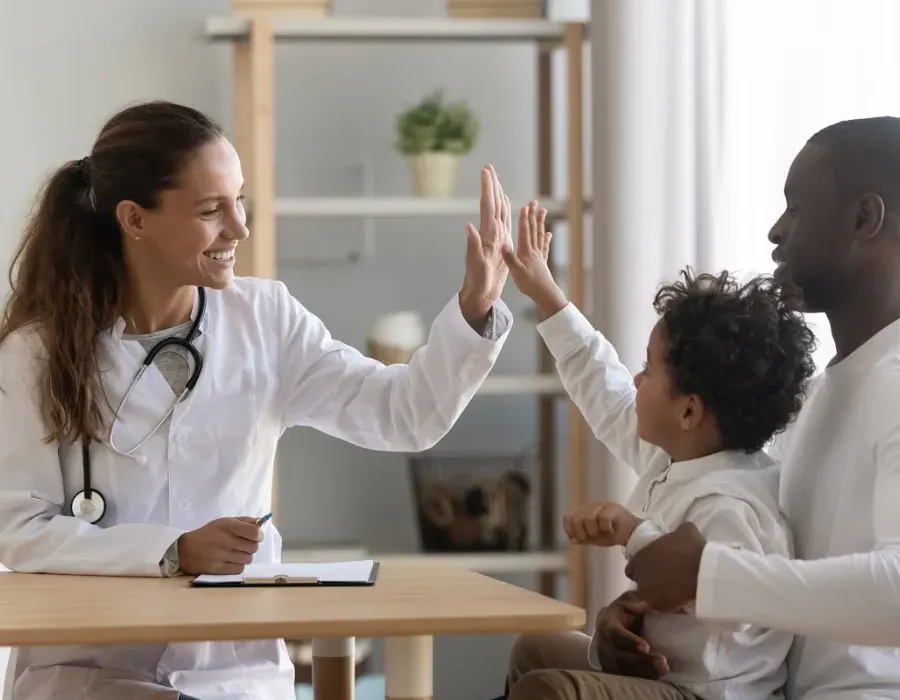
{"type": "Point", "coordinates": [408, 668]}
{"type": "Point", "coordinates": [333, 668]}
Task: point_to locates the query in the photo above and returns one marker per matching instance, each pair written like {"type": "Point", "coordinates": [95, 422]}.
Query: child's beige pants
{"type": "Point", "coordinates": [555, 667]}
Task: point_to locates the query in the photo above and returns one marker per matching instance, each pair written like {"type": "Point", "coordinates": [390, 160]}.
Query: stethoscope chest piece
{"type": "Point", "coordinates": [91, 509]}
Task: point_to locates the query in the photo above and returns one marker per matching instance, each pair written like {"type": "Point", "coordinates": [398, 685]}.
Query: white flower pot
{"type": "Point", "coordinates": [433, 174]}
{"type": "Point", "coordinates": [394, 337]}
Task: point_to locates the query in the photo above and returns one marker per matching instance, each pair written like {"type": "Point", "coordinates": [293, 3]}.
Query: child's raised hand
{"type": "Point", "coordinates": [600, 523]}
{"type": "Point", "coordinates": [528, 262]}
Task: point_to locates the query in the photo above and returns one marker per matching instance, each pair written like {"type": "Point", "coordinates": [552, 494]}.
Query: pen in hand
{"type": "Point", "coordinates": [264, 519]}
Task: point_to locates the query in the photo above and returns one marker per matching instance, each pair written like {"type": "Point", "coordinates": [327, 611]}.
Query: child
{"type": "Point", "coordinates": [726, 369]}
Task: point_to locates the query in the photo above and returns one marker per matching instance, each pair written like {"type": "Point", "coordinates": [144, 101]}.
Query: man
{"type": "Point", "coordinates": [838, 241]}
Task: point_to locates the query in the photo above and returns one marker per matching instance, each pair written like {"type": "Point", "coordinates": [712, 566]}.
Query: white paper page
{"type": "Point", "coordinates": [326, 572]}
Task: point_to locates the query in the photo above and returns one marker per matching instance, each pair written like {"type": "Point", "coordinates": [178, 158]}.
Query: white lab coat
{"type": "Point", "coordinates": [268, 364]}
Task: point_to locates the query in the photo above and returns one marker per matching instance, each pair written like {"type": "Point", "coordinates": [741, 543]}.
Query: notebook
{"type": "Point", "coordinates": [339, 573]}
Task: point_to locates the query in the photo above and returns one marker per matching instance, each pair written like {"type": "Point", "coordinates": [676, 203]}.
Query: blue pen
{"type": "Point", "coordinates": [264, 519]}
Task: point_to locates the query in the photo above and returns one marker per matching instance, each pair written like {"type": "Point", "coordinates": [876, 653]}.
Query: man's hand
{"type": "Point", "coordinates": [221, 547]}
{"type": "Point", "coordinates": [528, 263]}
{"type": "Point", "coordinates": [486, 270]}
{"type": "Point", "coordinates": [600, 523]}
{"type": "Point", "coordinates": [620, 648]}
{"type": "Point", "coordinates": [666, 570]}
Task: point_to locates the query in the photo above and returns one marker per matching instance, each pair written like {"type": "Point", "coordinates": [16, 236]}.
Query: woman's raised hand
{"type": "Point", "coordinates": [486, 246]}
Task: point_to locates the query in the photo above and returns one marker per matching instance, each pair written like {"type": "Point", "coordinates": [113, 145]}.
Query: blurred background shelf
{"type": "Point", "coordinates": [538, 384]}
{"type": "Point", "coordinates": [254, 38]}
{"type": "Point", "coordinates": [384, 207]}
{"type": "Point", "coordinates": [390, 29]}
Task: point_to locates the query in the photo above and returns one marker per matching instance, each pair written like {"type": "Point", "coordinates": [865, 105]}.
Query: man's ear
{"type": "Point", "coordinates": [870, 212]}
{"type": "Point", "coordinates": [691, 412]}
{"type": "Point", "coordinates": [130, 216]}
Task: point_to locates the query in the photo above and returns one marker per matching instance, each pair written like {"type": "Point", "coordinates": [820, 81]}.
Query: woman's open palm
{"type": "Point", "coordinates": [486, 246]}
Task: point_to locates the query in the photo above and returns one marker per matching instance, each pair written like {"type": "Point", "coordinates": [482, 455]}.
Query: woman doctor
{"type": "Point", "coordinates": [134, 245]}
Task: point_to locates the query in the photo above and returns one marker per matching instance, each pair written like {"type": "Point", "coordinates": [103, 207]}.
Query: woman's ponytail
{"type": "Point", "coordinates": [66, 276]}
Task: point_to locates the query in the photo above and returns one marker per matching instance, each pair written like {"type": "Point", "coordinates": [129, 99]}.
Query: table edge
{"type": "Point", "coordinates": [379, 629]}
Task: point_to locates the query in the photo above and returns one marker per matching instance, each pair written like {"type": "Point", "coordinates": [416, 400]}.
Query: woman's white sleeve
{"type": "Point", "coordinates": [332, 387]}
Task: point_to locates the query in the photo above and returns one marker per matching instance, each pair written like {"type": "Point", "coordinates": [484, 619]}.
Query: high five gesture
{"type": "Point", "coordinates": [486, 246]}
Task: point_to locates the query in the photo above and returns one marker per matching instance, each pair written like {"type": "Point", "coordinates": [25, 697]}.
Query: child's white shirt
{"type": "Point", "coordinates": [731, 497]}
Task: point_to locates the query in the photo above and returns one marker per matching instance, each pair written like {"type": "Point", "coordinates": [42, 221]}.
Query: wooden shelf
{"type": "Point", "coordinates": [384, 207]}
{"type": "Point", "coordinates": [482, 562]}
{"type": "Point", "coordinates": [391, 29]}
{"type": "Point", "coordinates": [531, 384]}
{"type": "Point", "coordinates": [254, 52]}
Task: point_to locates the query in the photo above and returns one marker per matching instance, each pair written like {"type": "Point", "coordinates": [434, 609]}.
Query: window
{"type": "Point", "coordinates": [790, 69]}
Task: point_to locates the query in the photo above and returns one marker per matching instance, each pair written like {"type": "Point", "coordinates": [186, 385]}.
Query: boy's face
{"type": "Point", "coordinates": [660, 409]}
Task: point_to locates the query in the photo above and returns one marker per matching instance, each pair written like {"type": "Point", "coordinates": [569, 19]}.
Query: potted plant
{"type": "Point", "coordinates": [434, 135]}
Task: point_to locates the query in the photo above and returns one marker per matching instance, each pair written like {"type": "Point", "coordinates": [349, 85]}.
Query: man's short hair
{"type": "Point", "coordinates": [865, 157]}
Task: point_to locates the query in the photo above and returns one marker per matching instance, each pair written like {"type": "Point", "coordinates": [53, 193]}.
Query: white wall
{"type": "Point", "coordinates": [76, 63]}
{"type": "Point", "coordinates": [70, 65]}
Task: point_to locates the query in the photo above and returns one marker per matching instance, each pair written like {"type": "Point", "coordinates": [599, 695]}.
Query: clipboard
{"type": "Point", "coordinates": [352, 573]}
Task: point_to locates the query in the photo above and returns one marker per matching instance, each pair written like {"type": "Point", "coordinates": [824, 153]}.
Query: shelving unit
{"type": "Point", "coordinates": [535, 385]}
{"type": "Point", "coordinates": [393, 207]}
{"type": "Point", "coordinates": [254, 38]}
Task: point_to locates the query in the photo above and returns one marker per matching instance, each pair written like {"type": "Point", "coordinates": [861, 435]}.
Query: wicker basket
{"type": "Point", "coordinates": [304, 8]}
{"type": "Point", "coordinates": [472, 503]}
{"type": "Point", "coordinates": [498, 9]}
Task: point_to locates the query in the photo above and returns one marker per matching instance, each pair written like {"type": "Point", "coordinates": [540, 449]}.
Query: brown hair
{"type": "Point", "coordinates": [68, 275]}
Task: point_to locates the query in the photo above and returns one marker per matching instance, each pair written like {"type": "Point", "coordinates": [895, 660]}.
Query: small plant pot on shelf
{"type": "Point", "coordinates": [433, 174]}
{"type": "Point", "coordinates": [472, 503]}
{"type": "Point", "coordinates": [433, 136]}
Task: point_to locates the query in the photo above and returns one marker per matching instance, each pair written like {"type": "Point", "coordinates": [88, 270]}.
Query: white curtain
{"type": "Point", "coordinates": [793, 67]}
{"type": "Point", "coordinates": [657, 161]}
{"type": "Point", "coordinates": [699, 107]}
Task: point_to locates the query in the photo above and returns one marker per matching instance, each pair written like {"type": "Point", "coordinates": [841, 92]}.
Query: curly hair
{"type": "Point", "coordinates": [743, 349]}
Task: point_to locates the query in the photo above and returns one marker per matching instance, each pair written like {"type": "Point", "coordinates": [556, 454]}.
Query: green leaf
{"type": "Point", "coordinates": [433, 125]}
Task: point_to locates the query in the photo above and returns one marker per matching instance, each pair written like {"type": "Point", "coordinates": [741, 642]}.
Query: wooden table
{"type": "Point", "coordinates": [408, 606]}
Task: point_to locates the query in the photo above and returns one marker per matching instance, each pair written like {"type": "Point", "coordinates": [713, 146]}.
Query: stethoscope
{"type": "Point", "coordinates": [89, 504]}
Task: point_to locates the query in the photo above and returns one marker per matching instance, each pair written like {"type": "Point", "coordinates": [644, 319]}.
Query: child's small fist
{"type": "Point", "coordinates": [600, 523]}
